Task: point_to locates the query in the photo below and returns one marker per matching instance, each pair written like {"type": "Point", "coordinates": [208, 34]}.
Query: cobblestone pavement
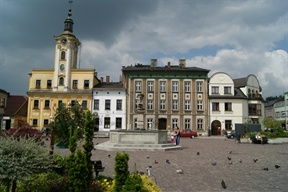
{"type": "Point", "coordinates": [199, 173]}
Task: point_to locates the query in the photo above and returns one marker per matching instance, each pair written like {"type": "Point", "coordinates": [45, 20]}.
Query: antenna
{"type": "Point", "coordinates": [70, 2]}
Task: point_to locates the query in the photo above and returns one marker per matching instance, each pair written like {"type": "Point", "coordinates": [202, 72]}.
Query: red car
{"type": "Point", "coordinates": [188, 133]}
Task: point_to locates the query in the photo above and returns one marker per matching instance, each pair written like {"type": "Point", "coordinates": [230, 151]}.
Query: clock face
{"type": "Point", "coordinates": [63, 41]}
{"type": "Point", "coordinates": [62, 67]}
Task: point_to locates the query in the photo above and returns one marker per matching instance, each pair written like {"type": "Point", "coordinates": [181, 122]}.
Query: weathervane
{"type": "Point", "coordinates": [70, 3]}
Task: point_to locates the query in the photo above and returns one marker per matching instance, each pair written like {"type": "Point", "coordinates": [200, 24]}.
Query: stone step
{"type": "Point", "coordinates": [101, 134]}
{"type": "Point", "coordinates": [107, 146]}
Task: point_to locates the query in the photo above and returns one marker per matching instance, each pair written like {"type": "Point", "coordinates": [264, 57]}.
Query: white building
{"type": "Point", "coordinates": [109, 105]}
{"type": "Point", "coordinates": [233, 102]}
{"type": "Point", "coordinates": [281, 110]}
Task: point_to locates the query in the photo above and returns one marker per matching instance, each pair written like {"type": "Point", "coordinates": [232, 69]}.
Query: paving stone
{"type": "Point", "coordinates": [199, 173]}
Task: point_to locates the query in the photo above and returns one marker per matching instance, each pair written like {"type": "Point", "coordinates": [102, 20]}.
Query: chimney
{"type": "Point", "coordinates": [107, 79]}
{"type": "Point", "coordinates": [168, 64]}
{"type": "Point", "coordinates": [153, 62]}
{"type": "Point", "coordinates": [182, 63]}
{"type": "Point", "coordinates": [102, 79]}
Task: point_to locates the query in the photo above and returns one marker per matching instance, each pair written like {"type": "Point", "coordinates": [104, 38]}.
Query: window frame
{"type": "Point", "coordinates": [187, 86]}
{"type": "Point", "coordinates": [199, 85]}
{"type": "Point", "coordinates": [162, 86]}
{"type": "Point", "coordinates": [107, 104]}
{"type": "Point", "coordinates": [150, 86]}
{"type": "Point", "coordinates": [215, 89]}
{"type": "Point", "coordinates": [118, 104]}
{"type": "Point", "coordinates": [175, 86]}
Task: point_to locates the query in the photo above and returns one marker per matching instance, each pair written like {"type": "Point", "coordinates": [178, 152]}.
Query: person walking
{"type": "Point", "coordinates": [177, 133]}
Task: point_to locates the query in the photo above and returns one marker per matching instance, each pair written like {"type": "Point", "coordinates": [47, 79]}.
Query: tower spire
{"type": "Point", "coordinates": [68, 23]}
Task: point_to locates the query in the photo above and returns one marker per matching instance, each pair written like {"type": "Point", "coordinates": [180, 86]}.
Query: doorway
{"type": "Point", "coordinates": [162, 124]}
{"type": "Point", "coordinates": [216, 128]}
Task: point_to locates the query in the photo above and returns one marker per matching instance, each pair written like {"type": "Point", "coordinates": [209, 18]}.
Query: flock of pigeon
{"type": "Point", "coordinates": [223, 184]}
{"type": "Point", "coordinates": [240, 161]}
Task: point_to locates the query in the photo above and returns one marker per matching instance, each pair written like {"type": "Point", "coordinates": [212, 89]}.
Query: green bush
{"type": "Point", "coordinates": [133, 183]}
{"type": "Point", "coordinates": [121, 170]}
{"type": "Point", "coordinates": [44, 182]}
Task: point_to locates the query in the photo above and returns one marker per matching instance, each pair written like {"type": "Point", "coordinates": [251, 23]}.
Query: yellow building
{"type": "Point", "coordinates": [65, 83]}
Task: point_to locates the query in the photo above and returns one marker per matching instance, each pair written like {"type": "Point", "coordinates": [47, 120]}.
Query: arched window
{"type": "Point", "coordinates": [63, 55]}
{"type": "Point", "coordinates": [61, 81]}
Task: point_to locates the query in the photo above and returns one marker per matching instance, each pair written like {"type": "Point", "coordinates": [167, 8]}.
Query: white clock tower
{"type": "Point", "coordinates": [66, 52]}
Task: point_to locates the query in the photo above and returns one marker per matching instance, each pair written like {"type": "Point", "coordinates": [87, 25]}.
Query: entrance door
{"type": "Point", "coordinates": [216, 127]}
{"type": "Point", "coordinates": [8, 124]}
{"type": "Point", "coordinates": [162, 124]}
{"type": "Point", "coordinates": [96, 125]}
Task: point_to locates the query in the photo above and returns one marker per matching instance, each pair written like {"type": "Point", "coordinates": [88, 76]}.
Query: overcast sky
{"type": "Point", "coordinates": [239, 37]}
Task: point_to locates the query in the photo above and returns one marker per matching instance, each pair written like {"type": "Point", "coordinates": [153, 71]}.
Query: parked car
{"type": "Point", "coordinates": [231, 134]}
{"type": "Point", "coordinates": [188, 133]}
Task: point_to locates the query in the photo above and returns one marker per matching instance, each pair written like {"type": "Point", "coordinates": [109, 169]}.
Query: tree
{"type": "Point", "coordinates": [20, 158]}
{"type": "Point", "coordinates": [88, 146]}
{"type": "Point", "coordinates": [67, 119]}
{"type": "Point", "coordinates": [271, 123]}
{"type": "Point", "coordinates": [121, 170]}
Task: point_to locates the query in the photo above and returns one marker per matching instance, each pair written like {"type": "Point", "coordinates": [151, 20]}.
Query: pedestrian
{"type": "Point", "coordinates": [177, 134]}
{"type": "Point", "coordinates": [225, 134]}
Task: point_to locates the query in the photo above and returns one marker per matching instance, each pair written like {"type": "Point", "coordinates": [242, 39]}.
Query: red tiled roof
{"type": "Point", "coordinates": [14, 104]}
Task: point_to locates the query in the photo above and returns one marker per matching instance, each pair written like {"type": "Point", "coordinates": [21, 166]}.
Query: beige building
{"type": "Point", "coordinates": [166, 97]}
{"type": "Point", "coordinates": [65, 83]}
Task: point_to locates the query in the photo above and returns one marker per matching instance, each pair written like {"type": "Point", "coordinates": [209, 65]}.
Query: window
{"type": "Point", "coordinates": [135, 123]}
{"type": "Point", "coordinates": [84, 104]}
{"type": "Point", "coordinates": [254, 109]}
{"type": "Point", "coordinates": [150, 87]}
{"type": "Point", "coordinates": [107, 122]}
{"type": "Point", "coordinates": [107, 104]}
{"type": "Point", "coordinates": [174, 123]}
{"type": "Point", "coordinates": [62, 55]}
{"type": "Point", "coordinates": [174, 86]}
{"type": "Point", "coordinates": [61, 81]}
{"type": "Point", "coordinates": [138, 86]}
{"type": "Point", "coordinates": [45, 123]}
{"type": "Point", "coordinates": [38, 84]}
{"type": "Point", "coordinates": [187, 104]}
{"type": "Point", "coordinates": [96, 104]}
{"type": "Point", "coordinates": [149, 123]}
{"type": "Point", "coordinates": [200, 105]}
{"type": "Point", "coordinates": [162, 86]}
{"type": "Point", "coordinates": [47, 104]}
{"type": "Point", "coordinates": [199, 124]}
{"type": "Point", "coordinates": [227, 90]}
{"type": "Point", "coordinates": [228, 124]}
{"type": "Point", "coordinates": [2, 102]}
{"type": "Point", "coordinates": [75, 84]}
{"type": "Point", "coordinates": [49, 83]}
{"type": "Point", "coordinates": [215, 106]}
{"type": "Point", "coordinates": [36, 104]}
{"type": "Point", "coordinates": [228, 106]}
{"type": "Point", "coordinates": [118, 122]}
{"type": "Point", "coordinates": [119, 104]}
{"type": "Point", "coordinates": [187, 123]}
{"type": "Point", "coordinates": [60, 102]}
{"type": "Point", "coordinates": [162, 104]}
{"type": "Point", "coordinates": [35, 123]}
{"type": "Point", "coordinates": [187, 86]}
{"type": "Point", "coordinates": [199, 86]}
{"type": "Point", "coordinates": [86, 84]}
{"type": "Point", "coordinates": [149, 104]}
{"type": "Point", "coordinates": [73, 103]}
{"type": "Point", "coordinates": [175, 104]}
{"type": "Point", "coordinates": [215, 90]}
